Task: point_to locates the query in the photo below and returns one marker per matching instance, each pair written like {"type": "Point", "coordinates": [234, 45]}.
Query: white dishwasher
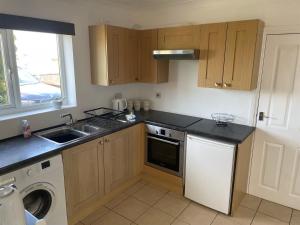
{"type": "Point", "coordinates": [209, 172]}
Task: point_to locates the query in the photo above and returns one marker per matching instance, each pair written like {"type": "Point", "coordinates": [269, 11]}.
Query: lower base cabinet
{"type": "Point", "coordinates": [96, 168]}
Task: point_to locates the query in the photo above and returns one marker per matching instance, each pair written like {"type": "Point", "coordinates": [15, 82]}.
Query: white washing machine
{"type": "Point", "coordinates": [41, 186]}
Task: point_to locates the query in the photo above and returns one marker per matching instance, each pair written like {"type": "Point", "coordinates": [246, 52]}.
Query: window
{"type": "Point", "coordinates": [32, 70]}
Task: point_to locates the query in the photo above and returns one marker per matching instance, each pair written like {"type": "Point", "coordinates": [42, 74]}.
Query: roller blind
{"type": "Point", "coordinates": [34, 24]}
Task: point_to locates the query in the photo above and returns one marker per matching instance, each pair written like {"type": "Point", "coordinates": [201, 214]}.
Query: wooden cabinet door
{"type": "Point", "coordinates": [242, 54]}
{"type": "Point", "coordinates": [116, 159]}
{"type": "Point", "coordinates": [137, 144]}
{"type": "Point", "coordinates": [151, 70]}
{"type": "Point", "coordinates": [212, 50]}
{"type": "Point", "coordinates": [132, 56]}
{"type": "Point", "coordinates": [186, 37]}
{"type": "Point", "coordinates": [84, 175]}
{"type": "Point", "coordinates": [116, 55]}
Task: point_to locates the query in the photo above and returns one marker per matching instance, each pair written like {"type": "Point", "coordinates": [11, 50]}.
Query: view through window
{"type": "Point", "coordinates": [31, 69]}
{"type": "Point", "coordinates": [38, 66]}
{"type": "Point", "coordinates": [4, 100]}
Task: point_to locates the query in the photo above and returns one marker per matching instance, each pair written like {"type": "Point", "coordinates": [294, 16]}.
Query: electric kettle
{"type": "Point", "coordinates": [12, 210]}
{"type": "Point", "coordinates": [119, 104]}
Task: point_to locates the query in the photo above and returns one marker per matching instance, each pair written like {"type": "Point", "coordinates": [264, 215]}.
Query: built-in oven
{"type": "Point", "coordinates": [165, 149]}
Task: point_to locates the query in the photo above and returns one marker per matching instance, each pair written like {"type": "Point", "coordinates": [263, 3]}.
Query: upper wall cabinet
{"type": "Point", "coordinates": [186, 37]}
{"type": "Point", "coordinates": [212, 50]}
{"type": "Point", "coordinates": [113, 53]}
{"type": "Point", "coordinates": [151, 70]}
{"type": "Point", "coordinates": [230, 54]}
{"type": "Point", "coordinates": [243, 49]}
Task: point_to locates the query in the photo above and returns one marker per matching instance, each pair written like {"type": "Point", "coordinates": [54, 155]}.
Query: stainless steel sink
{"type": "Point", "coordinates": [68, 134]}
{"type": "Point", "coordinates": [87, 128]}
{"type": "Point", "coordinates": [62, 135]}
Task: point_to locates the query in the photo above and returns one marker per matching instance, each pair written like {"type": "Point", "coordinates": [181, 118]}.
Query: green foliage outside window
{"type": "Point", "coordinates": [3, 88]}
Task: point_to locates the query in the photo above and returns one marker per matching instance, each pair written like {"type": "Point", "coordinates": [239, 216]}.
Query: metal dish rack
{"type": "Point", "coordinates": [104, 113]}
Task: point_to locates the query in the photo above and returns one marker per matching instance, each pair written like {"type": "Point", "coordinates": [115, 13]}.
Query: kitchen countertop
{"type": "Point", "coordinates": [232, 133]}
{"type": "Point", "coordinates": [17, 152]}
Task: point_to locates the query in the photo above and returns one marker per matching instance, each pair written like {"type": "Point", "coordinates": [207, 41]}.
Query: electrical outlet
{"type": "Point", "coordinates": [158, 95]}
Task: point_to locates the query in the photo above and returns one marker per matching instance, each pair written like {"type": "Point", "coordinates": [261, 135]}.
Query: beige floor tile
{"type": "Point", "coordinates": [251, 202]}
{"type": "Point", "coordinates": [223, 220]}
{"type": "Point", "coordinates": [275, 210]}
{"type": "Point", "coordinates": [131, 208]}
{"type": "Point", "coordinates": [95, 216]}
{"type": "Point", "coordinates": [179, 222]}
{"type": "Point", "coordinates": [196, 214]}
{"type": "Point", "coordinates": [295, 218]}
{"type": "Point", "coordinates": [243, 216]}
{"type": "Point", "coordinates": [172, 204]}
{"type": "Point", "coordinates": [116, 201]}
{"type": "Point", "coordinates": [136, 187]}
{"type": "Point", "coordinates": [112, 219]}
{"type": "Point", "coordinates": [154, 217]}
{"type": "Point", "coordinates": [150, 194]}
{"type": "Point", "coordinates": [261, 219]}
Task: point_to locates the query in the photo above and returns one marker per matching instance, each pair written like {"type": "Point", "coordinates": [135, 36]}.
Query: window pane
{"type": "Point", "coordinates": [4, 96]}
{"type": "Point", "coordinates": [38, 66]}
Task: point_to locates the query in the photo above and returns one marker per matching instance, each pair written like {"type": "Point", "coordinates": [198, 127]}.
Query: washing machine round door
{"type": "Point", "coordinates": [39, 199]}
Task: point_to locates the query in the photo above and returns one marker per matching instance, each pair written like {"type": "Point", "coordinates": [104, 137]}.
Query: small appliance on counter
{"type": "Point", "coordinates": [119, 103]}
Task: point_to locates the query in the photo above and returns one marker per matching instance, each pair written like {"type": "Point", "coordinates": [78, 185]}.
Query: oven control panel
{"type": "Point", "coordinates": [165, 132]}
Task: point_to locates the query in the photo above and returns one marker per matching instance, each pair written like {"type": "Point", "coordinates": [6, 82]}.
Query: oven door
{"type": "Point", "coordinates": [164, 154]}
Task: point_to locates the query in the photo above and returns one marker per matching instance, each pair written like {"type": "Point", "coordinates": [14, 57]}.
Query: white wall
{"type": "Point", "coordinates": [180, 94]}
{"type": "Point", "coordinates": [88, 96]}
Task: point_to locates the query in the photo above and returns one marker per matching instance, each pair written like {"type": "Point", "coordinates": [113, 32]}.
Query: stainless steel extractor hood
{"type": "Point", "coordinates": [184, 54]}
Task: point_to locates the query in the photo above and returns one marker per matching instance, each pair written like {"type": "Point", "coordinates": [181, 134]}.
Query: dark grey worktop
{"type": "Point", "coordinates": [232, 133]}
{"type": "Point", "coordinates": [17, 152]}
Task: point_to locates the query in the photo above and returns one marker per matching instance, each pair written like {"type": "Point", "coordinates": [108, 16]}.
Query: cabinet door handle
{"type": "Point", "coordinates": [227, 85]}
{"type": "Point", "coordinates": [218, 84]}
{"type": "Point", "coordinates": [106, 140]}
{"type": "Point", "coordinates": [101, 142]}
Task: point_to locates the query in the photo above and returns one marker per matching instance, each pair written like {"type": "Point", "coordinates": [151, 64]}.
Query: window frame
{"type": "Point", "coordinates": [13, 78]}
{"type": "Point", "coordinates": [7, 71]}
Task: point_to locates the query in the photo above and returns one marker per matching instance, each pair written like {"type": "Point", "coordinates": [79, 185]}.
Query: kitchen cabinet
{"type": "Point", "coordinates": [123, 156]}
{"type": "Point", "coordinates": [132, 55]}
{"type": "Point", "coordinates": [151, 70]}
{"type": "Point", "coordinates": [94, 169]}
{"type": "Point", "coordinates": [116, 159]}
{"type": "Point", "coordinates": [84, 175]}
{"type": "Point", "coordinates": [112, 55]}
{"type": "Point", "coordinates": [230, 54]}
{"type": "Point", "coordinates": [212, 50]}
{"type": "Point", "coordinates": [243, 47]}
{"type": "Point", "coordinates": [185, 37]}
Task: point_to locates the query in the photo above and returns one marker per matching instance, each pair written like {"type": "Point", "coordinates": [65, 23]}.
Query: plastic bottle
{"type": "Point", "coordinates": [26, 128]}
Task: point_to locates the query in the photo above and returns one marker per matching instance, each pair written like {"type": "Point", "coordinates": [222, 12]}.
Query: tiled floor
{"type": "Point", "coordinates": [148, 204]}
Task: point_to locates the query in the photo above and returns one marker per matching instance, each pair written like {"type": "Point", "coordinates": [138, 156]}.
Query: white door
{"type": "Point", "coordinates": [275, 172]}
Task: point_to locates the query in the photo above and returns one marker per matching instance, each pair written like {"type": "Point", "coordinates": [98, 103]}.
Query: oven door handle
{"type": "Point", "coordinates": [162, 140]}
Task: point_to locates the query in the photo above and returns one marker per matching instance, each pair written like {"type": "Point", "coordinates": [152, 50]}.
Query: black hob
{"type": "Point", "coordinates": [170, 119]}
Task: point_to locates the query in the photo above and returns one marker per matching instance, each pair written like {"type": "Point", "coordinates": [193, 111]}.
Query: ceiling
{"type": "Point", "coordinates": [144, 3]}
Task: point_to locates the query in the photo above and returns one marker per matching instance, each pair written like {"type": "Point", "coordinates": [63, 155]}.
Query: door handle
{"type": "Point", "coordinates": [262, 116]}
